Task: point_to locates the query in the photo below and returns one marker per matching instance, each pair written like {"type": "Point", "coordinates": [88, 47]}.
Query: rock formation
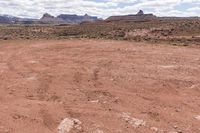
{"type": "Point", "coordinates": [74, 19]}
{"type": "Point", "coordinates": [140, 12]}
{"type": "Point", "coordinates": [140, 16]}
{"type": "Point", "coordinates": [47, 16]}
{"type": "Point", "coordinates": [49, 19]}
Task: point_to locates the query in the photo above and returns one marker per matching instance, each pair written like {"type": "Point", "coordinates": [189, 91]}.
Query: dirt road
{"type": "Point", "coordinates": [88, 86]}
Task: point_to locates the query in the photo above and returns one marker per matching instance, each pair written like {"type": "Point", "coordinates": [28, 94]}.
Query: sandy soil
{"type": "Point", "coordinates": [88, 86]}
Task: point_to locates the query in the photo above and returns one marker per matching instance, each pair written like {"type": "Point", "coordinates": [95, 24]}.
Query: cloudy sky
{"type": "Point", "coordinates": [101, 8]}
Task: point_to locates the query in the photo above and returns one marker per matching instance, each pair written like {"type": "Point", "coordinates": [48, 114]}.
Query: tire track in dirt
{"type": "Point", "coordinates": [97, 87]}
{"type": "Point", "coordinates": [12, 62]}
{"type": "Point", "coordinates": [48, 121]}
{"type": "Point", "coordinates": [45, 81]}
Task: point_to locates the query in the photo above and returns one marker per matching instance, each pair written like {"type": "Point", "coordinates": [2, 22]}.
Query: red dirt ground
{"type": "Point", "coordinates": [109, 86]}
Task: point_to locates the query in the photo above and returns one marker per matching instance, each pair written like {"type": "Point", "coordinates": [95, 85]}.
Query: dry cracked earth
{"type": "Point", "coordinates": [96, 86]}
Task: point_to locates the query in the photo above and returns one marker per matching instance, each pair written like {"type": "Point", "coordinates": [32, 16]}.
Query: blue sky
{"type": "Point", "coordinates": [100, 8]}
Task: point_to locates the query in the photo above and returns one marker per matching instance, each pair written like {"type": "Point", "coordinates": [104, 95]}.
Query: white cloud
{"type": "Point", "coordinates": [101, 8]}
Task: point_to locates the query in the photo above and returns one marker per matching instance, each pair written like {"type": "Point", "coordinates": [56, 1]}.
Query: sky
{"type": "Point", "coordinates": [100, 8]}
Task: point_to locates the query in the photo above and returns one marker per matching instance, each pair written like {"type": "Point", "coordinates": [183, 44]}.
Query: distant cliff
{"type": "Point", "coordinates": [140, 16]}
{"type": "Point", "coordinates": [67, 19]}
{"type": "Point", "coordinates": [76, 19]}
{"type": "Point", "coordinates": [49, 19]}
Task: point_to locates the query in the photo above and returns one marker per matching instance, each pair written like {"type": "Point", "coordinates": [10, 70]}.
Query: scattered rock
{"type": "Point", "coordinates": [133, 121]}
{"type": "Point", "coordinates": [68, 124]}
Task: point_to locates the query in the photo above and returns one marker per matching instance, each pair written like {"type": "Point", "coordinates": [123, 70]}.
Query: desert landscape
{"type": "Point", "coordinates": [175, 32]}
{"type": "Point", "coordinates": [125, 74]}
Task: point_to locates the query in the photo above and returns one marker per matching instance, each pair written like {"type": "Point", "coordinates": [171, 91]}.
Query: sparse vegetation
{"type": "Point", "coordinates": [154, 31]}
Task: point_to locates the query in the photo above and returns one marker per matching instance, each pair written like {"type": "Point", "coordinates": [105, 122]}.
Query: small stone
{"type": "Point", "coordinates": [198, 117]}
{"type": "Point", "coordinates": [138, 122]}
{"type": "Point", "coordinates": [179, 131]}
{"type": "Point", "coordinates": [178, 110]}
{"type": "Point", "coordinates": [68, 124]}
{"type": "Point", "coordinates": [94, 101]}
{"type": "Point", "coordinates": [154, 129]}
{"type": "Point", "coordinates": [104, 102]}
{"type": "Point", "coordinates": [116, 99]}
{"type": "Point", "coordinates": [175, 127]}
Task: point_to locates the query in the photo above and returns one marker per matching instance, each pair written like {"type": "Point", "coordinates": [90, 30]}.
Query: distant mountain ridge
{"type": "Point", "coordinates": [78, 19]}
{"type": "Point", "coordinates": [7, 19]}
{"type": "Point", "coordinates": [67, 19]}
{"type": "Point", "coordinates": [49, 19]}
